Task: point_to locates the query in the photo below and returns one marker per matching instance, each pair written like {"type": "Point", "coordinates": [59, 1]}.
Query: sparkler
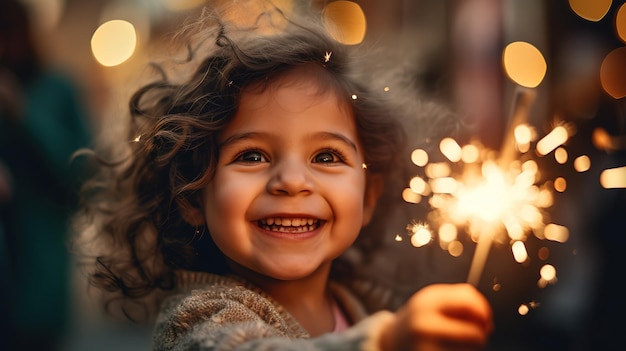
{"type": "Point", "coordinates": [487, 194]}
{"type": "Point", "coordinates": [494, 196]}
{"type": "Point", "coordinates": [479, 192]}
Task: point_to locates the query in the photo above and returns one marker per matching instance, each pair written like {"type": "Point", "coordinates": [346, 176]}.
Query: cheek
{"type": "Point", "coordinates": [349, 199]}
{"type": "Point", "coordinates": [222, 202]}
{"type": "Point", "coordinates": [224, 213]}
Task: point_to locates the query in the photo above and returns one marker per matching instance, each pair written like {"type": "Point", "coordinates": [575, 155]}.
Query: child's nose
{"type": "Point", "coordinates": [290, 177]}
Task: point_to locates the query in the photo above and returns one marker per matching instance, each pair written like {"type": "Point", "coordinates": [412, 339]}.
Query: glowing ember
{"type": "Point", "coordinates": [420, 234]}
{"type": "Point", "coordinates": [613, 178]}
{"type": "Point", "coordinates": [524, 308]}
{"type": "Point", "coordinates": [548, 275]}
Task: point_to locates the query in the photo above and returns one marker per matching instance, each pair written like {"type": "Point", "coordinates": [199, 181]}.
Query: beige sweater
{"type": "Point", "coordinates": [211, 312]}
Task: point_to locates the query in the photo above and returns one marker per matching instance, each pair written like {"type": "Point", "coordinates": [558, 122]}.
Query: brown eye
{"type": "Point", "coordinates": [325, 157]}
{"type": "Point", "coordinates": [251, 157]}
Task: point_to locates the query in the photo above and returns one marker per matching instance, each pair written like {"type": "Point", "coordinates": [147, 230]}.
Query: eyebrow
{"type": "Point", "coordinates": [238, 137]}
{"type": "Point", "coordinates": [257, 135]}
{"type": "Point", "coordinates": [337, 136]}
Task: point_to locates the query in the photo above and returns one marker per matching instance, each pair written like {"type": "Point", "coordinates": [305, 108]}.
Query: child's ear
{"type": "Point", "coordinates": [191, 214]}
{"type": "Point", "coordinates": [373, 190]}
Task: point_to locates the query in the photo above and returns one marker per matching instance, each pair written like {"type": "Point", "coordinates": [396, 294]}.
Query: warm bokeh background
{"type": "Point", "coordinates": [454, 49]}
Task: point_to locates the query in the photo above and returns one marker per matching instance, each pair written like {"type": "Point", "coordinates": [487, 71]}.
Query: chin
{"type": "Point", "coordinates": [290, 271]}
{"type": "Point", "coordinates": [291, 275]}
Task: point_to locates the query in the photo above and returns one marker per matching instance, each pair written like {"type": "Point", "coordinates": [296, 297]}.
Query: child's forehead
{"type": "Point", "coordinates": [313, 79]}
{"type": "Point", "coordinates": [293, 93]}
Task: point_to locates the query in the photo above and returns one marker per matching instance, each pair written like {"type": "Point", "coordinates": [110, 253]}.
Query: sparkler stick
{"type": "Point", "coordinates": [522, 102]}
{"type": "Point", "coordinates": [480, 257]}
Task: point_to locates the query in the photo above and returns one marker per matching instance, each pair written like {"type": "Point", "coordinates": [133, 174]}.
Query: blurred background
{"type": "Point", "coordinates": [68, 67]}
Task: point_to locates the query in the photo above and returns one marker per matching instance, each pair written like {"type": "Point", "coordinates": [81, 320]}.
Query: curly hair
{"type": "Point", "coordinates": [137, 204]}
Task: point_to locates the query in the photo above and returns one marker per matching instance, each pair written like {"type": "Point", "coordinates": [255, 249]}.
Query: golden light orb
{"type": "Point", "coordinates": [448, 232]}
{"type": "Point", "coordinates": [560, 184]}
{"type": "Point", "coordinates": [613, 178]}
{"type": "Point", "coordinates": [613, 73]}
{"type": "Point", "coordinates": [113, 42]}
{"type": "Point", "coordinates": [560, 155]}
{"type": "Point", "coordinates": [552, 140]}
{"type": "Point", "coordinates": [419, 157]}
{"type": "Point", "coordinates": [523, 309]}
{"type": "Point", "coordinates": [470, 153]}
{"type": "Point", "coordinates": [451, 149]}
{"type": "Point", "coordinates": [556, 233]}
{"type": "Point", "coordinates": [455, 248]}
{"type": "Point", "coordinates": [419, 186]}
{"type": "Point", "coordinates": [410, 196]}
{"type": "Point", "coordinates": [345, 21]}
{"type": "Point", "coordinates": [620, 22]}
{"type": "Point", "coordinates": [591, 10]}
{"type": "Point", "coordinates": [519, 252]}
{"type": "Point", "coordinates": [524, 64]}
{"type": "Point", "coordinates": [421, 236]}
{"type": "Point", "coordinates": [548, 272]}
{"type": "Point", "coordinates": [582, 163]}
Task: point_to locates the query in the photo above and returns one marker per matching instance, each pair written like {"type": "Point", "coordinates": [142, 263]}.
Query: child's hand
{"type": "Point", "coordinates": [440, 317]}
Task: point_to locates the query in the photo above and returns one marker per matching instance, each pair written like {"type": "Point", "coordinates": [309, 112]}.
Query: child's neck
{"type": "Point", "coordinates": [306, 299]}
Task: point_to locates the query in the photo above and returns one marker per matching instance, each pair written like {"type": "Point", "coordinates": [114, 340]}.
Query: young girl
{"type": "Point", "coordinates": [245, 185]}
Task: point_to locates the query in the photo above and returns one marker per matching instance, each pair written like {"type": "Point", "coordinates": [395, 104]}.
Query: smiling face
{"type": "Point", "coordinates": [289, 192]}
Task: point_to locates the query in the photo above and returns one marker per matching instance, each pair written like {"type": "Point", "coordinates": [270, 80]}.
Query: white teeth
{"type": "Point", "coordinates": [289, 225]}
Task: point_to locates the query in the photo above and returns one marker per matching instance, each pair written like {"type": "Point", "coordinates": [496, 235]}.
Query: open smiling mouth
{"type": "Point", "coordinates": [289, 225]}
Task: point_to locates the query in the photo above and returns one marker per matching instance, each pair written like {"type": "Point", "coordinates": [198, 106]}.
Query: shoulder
{"type": "Point", "coordinates": [207, 305]}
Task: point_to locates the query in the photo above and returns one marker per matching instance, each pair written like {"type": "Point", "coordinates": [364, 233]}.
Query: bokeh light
{"type": "Point", "coordinates": [613, 178]}
{"type": "Point", "coordinates": [524, 64]}
{"type": "Point", "coordinates": [560, 155]}
{"type": "Point", "coordinates": [451, 149]}
{"type": "Point", "coordinates": [131, 12]}
{"type": "Point", "coordinates": [613, 73]}
{"type": "Point", "coordinates": [345, 21]}
{"type": "Point", "coordinates": [113, 42]}
{"type": "Point", "coordinates": [455, 248]}
{"type": "Point", "coordinates": [421, 234]}
{"type": "Point", "coordinates": [519, 252]}
{"type": "Point", "coordinates": [411, 197]}
{"type": "Point", "coordinates": [620, 22]}
{"type": "Point", "coordinates": [419, 157]}
{"type": "Point", "coordinates": [591, 10]}
{"type": "Point", "coordinates": [548, 273]}
{"type": "Point", "coordinates": [523, 310]}
{"type": "Point", "coordinates": [552, 140]}
{"type": "Point", "coordinates": [560, 184]}
{"type": "Point", "coordinates": [582, 163]}
{"type": "Point", "coordinates": [555, 232]}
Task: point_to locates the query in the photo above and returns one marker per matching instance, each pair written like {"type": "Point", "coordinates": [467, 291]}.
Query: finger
{"type": "Point", "coordinates": [445, 327]}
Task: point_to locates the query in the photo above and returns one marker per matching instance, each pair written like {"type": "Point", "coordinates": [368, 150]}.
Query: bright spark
{"type": "Point", "coordinates": [475, 191]}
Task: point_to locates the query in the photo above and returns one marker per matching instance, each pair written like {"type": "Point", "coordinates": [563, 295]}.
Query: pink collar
{"type": "Point", "coordinates": [341, 323]}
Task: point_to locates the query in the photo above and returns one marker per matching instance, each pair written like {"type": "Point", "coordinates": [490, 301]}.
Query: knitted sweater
{"type": "Point", "coordinates": [211, 312]}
